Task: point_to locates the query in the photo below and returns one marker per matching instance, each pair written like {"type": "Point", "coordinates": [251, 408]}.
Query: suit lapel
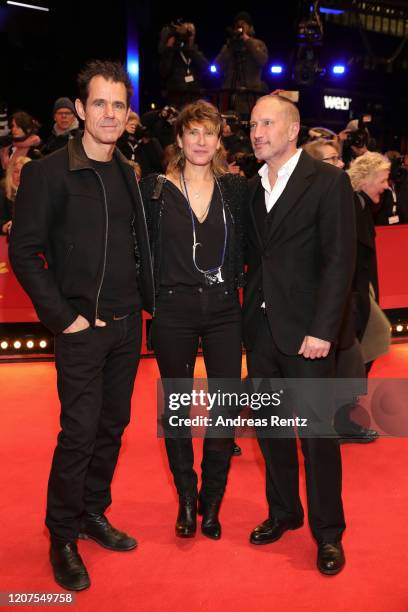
{"type": "Point", "coordinates": [299, 181]}
{"type": "Point", "coordinates": [254, 185]}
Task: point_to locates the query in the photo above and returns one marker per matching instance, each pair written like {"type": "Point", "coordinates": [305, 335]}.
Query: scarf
{"type": "Point", "coordinates": [19, 148]}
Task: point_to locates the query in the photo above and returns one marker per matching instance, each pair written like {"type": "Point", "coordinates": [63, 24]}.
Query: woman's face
{"type": "Point", "coordinates": [16, 131]}
{"type": "Point", "coordinates": [199, 143]}
{"type": "Point", "coordinates": [376, 184]}
{"type": "Point", "coordinates": [331, 156]}
{"type": "Point", "coordinates": [131, 125]}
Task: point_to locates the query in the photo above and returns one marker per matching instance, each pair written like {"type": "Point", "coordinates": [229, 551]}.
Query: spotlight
{"type": "Point", "coordinates": [399, 328]}
{"type": "Point", "coordinates": [17, 344]}
{"type": "Point", "coordinates": [4, 345]}
{"type": "Point", "coordinates": [338, 69]}
{"type": "Point", "coordinates": [153, 106]}
{"type": "Point", "coordinates": [43, 344]}
{"type": "Point", "coordinates": [276, 69]}
{"type": "Point", "coordinates": [133, 68]}
{"type": "Point", "coordinates": [30, 344]}
{"type": "Point", "coordinates": [213, 69]}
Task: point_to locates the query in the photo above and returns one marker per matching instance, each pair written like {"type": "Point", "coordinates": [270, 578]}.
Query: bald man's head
{"type": "Point", "coordinates": [291, 110]}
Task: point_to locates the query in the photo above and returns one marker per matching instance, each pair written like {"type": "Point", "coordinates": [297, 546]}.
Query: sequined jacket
{"type": "Point", "coordinates": [234, 195]}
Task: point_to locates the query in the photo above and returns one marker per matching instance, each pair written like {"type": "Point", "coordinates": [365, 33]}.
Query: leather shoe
{"type": "Point", "coordinates": [272, 529]}
{"type": "Point", "coordinates": [330, 558]}
{"type": "Point", "coordinates": [356, 433]}
{"type": "Point", "coordinates": [98, 528]}
{"type": "Point", "coordinates": [186, 524]}
{"type": "Point", "coordinates": [210, 525]}
{"type": "Point", "coordinates": [68, 567]}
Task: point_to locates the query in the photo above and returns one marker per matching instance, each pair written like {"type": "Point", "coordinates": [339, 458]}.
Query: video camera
{"type": "Point", "coordinates": [360, 137]}
{"type": "Point", "coordinates": [181, 30]}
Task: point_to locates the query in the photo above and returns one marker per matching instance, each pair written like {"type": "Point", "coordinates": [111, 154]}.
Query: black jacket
{"type": "Point", "coordinates": [304, 268]}
{"type": "Point", "coordinates": [61, 216]}
{"type": "Point", "coordinates": [234, 194]}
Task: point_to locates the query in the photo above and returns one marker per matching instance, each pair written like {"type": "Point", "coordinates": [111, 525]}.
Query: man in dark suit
{"type": "Point", "coordinates": [301, 253]}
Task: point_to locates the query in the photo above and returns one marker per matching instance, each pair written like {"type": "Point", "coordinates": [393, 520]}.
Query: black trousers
{"type": "Point", "coordinates": [183, 316]}
{"type": "Point", "coordinates": [322, 455]}
{"type": "Point", "coordinates": [96, 370]}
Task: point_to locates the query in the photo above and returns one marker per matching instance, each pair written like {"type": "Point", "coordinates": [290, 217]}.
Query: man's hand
{"type": "Point", "coordinates": [314, 348]}
{"type": "Point", "coordinates": [81, 324]}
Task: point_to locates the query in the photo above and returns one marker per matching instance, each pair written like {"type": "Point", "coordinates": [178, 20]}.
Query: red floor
{"type": "Point", "coordinates": [165, 573]}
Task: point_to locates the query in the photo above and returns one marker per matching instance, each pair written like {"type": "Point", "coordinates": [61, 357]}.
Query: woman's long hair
{"type": "Point", "coordinates": [203, 113]}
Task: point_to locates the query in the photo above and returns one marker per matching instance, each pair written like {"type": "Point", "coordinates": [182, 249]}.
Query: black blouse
{"type": "Point", "coordinates": [178, 266]}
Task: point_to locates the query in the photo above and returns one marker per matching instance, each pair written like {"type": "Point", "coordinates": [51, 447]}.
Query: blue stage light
{"type": "Point", "coordinates": [276, 69]}
{"type": "Point", "coordinates": [213, 68]}
{"type": "Point", "coordinates": [338, 69]}
{"type": "Point", "coordinates": [133, 67]}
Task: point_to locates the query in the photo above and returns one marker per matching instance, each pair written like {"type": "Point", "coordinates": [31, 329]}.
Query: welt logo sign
{"type": "Point", "coordinates": [337, 103]}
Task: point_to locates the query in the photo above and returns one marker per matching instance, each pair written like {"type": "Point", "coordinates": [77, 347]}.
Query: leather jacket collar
{"type": "Point", "coordinates": [78, 159]}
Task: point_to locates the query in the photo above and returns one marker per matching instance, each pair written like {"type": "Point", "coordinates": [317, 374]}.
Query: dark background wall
{"type": "Point", "coordinates": [42, 52]}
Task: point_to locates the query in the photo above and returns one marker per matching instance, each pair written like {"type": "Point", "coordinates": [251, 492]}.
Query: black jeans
{"type": "Point", "coordinates": [322, 455]}
{"type": "Point", "coordinates": [96, 370]}
{"type": "Point", "coordinates": [183, 316]}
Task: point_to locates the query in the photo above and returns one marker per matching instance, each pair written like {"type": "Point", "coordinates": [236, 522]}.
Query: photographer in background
{"type": "Point", "coordinates": [160, 124]}
{"type": "Point", "coordinates": [138, 146]}
{"type": "Point", "coordinates": [356, 139]}
{"type": "Point", "coordinates": [393, 206]}
{"type": "Point", "coordinates": [242, 60]}
{"type": "Point", "coordinates": [182, 65]}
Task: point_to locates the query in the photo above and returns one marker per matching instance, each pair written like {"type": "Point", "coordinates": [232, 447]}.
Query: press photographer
{"type": "Point", "coordinates": [139, 146]}
{"type": "Point", "coordinates": [242, 60]}
{"type": "Point", "coordinates": [182, 65]}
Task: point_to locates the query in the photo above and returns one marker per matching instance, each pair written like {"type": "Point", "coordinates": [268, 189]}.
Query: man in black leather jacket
{"type": "Point", "coordinates": [80, 210]}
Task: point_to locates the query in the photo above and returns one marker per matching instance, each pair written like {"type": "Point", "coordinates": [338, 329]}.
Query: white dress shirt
{"type": "Point", "coordinates": [272, 194]}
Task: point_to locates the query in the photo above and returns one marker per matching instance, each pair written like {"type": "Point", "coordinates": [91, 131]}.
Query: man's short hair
{"type": "Point", "coordinates": [291, 109]}
{"type": "Point", "coordinates": [111, 71]}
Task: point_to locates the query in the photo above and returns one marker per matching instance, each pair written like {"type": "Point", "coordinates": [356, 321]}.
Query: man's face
{"type": "Point", "coordinates": [273, 134]}
{"type": "Point", "coordinates": [105, 112]}
{"type": "Point", "coordinates": [64, 118]}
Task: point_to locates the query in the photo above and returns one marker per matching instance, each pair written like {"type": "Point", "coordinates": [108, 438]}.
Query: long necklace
{"type": "Point", "coordinates": [213, 275]}
{"type": "Point", "coordinates": [196, 194]}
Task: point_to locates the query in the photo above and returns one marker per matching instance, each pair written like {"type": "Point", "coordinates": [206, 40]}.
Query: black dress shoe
{"type": "Point", "coordinates": [98, 528]}
{"type": "Point", "coordinates": [186, 524]}
{"type": "Point", "coordinates": [68, 567]}
{"type": "Point", "coordinates": [272, 529]}
{"type": "Point", "coordinates": [330, 558]}
{"type": "Point", "coordinates": [210, 525]}
{"type": "Point", "coordinates": [236, 450]}
{"type": "Point", "coordinates": [356, 433]}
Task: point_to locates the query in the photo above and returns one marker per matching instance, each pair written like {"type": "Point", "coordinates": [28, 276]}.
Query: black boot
{"type": "Point", "coordinates": [186, 524]}
{"type": "Point", "coordinates": [68, 567]}
{"type": "Point", "coordinates": [210, 525]}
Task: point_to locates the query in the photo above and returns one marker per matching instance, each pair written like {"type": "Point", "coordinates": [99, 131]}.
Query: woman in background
{"type": "Point", "coordinates": [8, 192]}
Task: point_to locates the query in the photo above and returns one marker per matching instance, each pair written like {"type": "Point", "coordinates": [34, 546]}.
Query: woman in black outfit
{"type": "Point", "coordinates": [194, 214]}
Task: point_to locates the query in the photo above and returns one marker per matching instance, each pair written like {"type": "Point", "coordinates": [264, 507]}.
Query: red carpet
{"type": "Point", "coordinates": [170, 574]}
